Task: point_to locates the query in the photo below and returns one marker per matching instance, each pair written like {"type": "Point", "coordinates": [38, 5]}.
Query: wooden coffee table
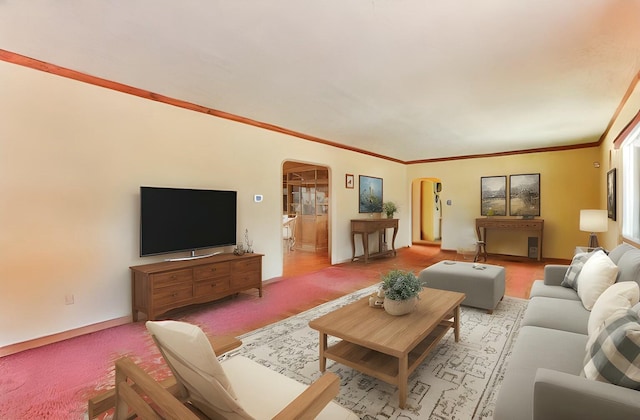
{"type": "Point", "coordinates": [384, 346]}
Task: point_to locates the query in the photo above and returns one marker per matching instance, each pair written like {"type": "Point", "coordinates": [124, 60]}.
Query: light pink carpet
{"type": "Point", "coordinates": [55, 381]}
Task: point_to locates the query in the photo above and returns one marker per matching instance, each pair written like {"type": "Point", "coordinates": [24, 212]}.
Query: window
{"type": "Point", "coordinates": [631, 186]}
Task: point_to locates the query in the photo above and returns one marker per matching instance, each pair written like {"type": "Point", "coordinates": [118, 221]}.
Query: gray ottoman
{"type": "Point", "coordinates": [482, 283]}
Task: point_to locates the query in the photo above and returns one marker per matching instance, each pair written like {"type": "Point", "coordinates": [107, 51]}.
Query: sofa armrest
{"type": "Point", "coordinates": [554, 274]}
{"type": "Point", "coordinates": [562, 396]}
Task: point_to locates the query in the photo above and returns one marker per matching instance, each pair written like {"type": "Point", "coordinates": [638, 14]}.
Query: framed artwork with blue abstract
{"type": "Point", "coordinates": [370, 196]}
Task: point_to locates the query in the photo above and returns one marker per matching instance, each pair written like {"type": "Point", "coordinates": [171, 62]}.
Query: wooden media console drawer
{"type": "Point", "coordinates": [171, 278]}
{"type": "Point", "coordinates": [160, 287]}
{"type": "Point", "coordinates": [246, 274]}
{"type": "Point", "coordinates": [211, 287]}
{"type": "Point", "coordinates": [209, 271]}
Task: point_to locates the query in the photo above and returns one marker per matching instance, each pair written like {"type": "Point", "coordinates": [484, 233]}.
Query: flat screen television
{"type": "Point", "coordinates": [180, 219]}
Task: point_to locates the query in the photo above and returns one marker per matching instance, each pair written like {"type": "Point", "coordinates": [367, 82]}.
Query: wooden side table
{"type": "Point", "coordinates": [366, 226]}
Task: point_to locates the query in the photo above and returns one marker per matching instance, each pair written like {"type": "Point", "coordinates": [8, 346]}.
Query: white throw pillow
{"type": "Point", "coordinates": [598, 273]}
{"type": "Point", "coordinates": [618, 296]}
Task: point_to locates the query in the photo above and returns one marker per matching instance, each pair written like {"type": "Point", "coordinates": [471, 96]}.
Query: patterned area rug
{"type": "Point", "coordinates": [456, 381]}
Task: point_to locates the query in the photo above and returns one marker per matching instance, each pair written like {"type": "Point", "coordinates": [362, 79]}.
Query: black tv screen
{"type": "Point", "coordinates": [179, 219]}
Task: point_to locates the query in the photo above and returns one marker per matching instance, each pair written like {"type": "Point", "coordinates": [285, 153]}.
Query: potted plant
{"type": "Point", "coordinates": [401, 291]}
{"type": "Point", "coordinates": [389, 208]}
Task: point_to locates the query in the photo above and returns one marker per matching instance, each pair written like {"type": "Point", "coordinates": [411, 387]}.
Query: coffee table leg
{"type": "Point", "coordinates": [323, 347]}
{"type": "Point", "coordinates": [403, 379]}
{"type": "Point", "coordinates": [456, 323]}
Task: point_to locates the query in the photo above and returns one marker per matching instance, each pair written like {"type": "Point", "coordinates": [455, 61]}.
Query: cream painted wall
{"type": "Point", "coordinates": [612, 159]}
{"type": "Point", "coordinates": [72, 159]}
{"type": "Point", "coordinates": [569, 182]}
{"type": "Point", "coordinates": [73, 156]}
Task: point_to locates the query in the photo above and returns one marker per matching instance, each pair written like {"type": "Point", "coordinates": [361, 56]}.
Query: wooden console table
{"type": "Point", "coordinates": [485, 223]}
{"type": "Point", "coordinates": [367, 226]}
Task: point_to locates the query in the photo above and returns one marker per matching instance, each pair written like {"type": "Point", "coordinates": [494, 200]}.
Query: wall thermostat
{"type": "Point", "coordinates": [257, 198]}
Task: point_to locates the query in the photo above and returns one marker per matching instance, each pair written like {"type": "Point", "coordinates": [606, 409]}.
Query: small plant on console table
{"type": "Point", "coordinates": [401, 291]}
{"type": "Point", "coordinates": [389, 208]}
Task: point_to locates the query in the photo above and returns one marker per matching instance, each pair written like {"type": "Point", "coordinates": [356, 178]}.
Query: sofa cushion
{"type": "Point", "coordinates": [598, 273]}
{"type": "Point", "coordinates": [572, 274]}
{"type": "Point", "coordinates": [613, 352]}
{"type": "Point", "coordinates": [539, 288]}
{"type": "Point", "coordinates": [619, 296]}
{"type": "Point", "coordinates": [616, 253]}
{"type": "Point", "coordinates": [629, 266]}
{"type": "Point", "coordinates": [536, 348]}
{"type": "Point", "coordinates": [557, 314]}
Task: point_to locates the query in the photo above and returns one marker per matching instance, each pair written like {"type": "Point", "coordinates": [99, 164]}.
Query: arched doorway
{"type": "Point", "coordinates": [305, 198]}
{"type": "Point", "coordinates": [427, 211]}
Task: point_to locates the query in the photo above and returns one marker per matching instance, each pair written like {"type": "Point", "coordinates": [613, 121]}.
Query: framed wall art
{"type": "Point", "coordinates": [370, 194]}
{"type": "Point", "coordinates": [524, 195]}
{"type": "Point", "coordinates": [493, 195]}
{"type": "Point", "coordinates": [349, 181]}
{"type": "Point", "coordinates": [611, 194]}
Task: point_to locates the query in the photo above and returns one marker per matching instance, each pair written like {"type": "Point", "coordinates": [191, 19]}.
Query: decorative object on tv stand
{"type": "Point", "coordinates": [248, 242]}
{"type": "Point", "coordinates": [389, 208]}
{"type": "Point", "coordinates": [401, 291]}
{"type": "Point", "coordinates": [239, 250]}
{"type": "Point", "coordinates": [593, 221]}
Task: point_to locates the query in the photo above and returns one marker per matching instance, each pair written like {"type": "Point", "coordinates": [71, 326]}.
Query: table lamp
{"type": "Point", "coordinates": [593, 221]}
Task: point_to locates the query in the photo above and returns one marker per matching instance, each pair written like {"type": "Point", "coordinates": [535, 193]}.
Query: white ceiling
{"type": "Point", "coordinates": [407, 79]}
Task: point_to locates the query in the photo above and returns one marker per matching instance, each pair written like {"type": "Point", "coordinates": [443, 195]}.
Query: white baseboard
{"type": "Point", "coordinates": [65, 335]}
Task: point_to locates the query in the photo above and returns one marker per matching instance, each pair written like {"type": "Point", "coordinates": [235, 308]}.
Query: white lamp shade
{"type": "Point", "coordinates": [593, 221]}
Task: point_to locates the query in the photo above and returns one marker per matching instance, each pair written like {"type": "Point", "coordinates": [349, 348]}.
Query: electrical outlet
{"type": "Point", "coordinates": [68, 299]}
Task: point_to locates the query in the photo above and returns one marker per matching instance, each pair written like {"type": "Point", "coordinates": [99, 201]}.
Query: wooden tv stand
{"type": "Point", "coordinates": [160, 287]}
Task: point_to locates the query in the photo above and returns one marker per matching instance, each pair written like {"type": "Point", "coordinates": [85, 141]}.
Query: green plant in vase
{"type": "Point", "coordinates": [401, 291]}
{"type": "Point", "coordinates": [389, 208]}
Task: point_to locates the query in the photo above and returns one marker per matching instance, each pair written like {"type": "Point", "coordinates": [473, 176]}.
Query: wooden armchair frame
{"type": "Point", "coordinates": [138, 395]}
{"type": "Point", "coordinates": [107, 400]}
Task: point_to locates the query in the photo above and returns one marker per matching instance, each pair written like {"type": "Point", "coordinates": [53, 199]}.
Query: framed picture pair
{"type": "Point", "coordinates": [522, 195]}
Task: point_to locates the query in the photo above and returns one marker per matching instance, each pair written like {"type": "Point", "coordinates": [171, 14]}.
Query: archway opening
{"type": "Point", "coordinates": [426, 223]}
{"type": "Point", "coordinates": [305, 217]}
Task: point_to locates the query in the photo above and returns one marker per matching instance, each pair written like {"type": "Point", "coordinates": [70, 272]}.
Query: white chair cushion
{"type": "Point", "coordinates": [263, 392]}
{"type": "Point", "coordinates": [188, 352]}
{"type": "Point", "coordinates": [619, 296]}
{"type": "Point", "coordinates": [597, 274]}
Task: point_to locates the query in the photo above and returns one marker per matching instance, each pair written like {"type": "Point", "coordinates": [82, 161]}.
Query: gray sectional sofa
{"type": "Point", "coordinates": [543, 378]}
